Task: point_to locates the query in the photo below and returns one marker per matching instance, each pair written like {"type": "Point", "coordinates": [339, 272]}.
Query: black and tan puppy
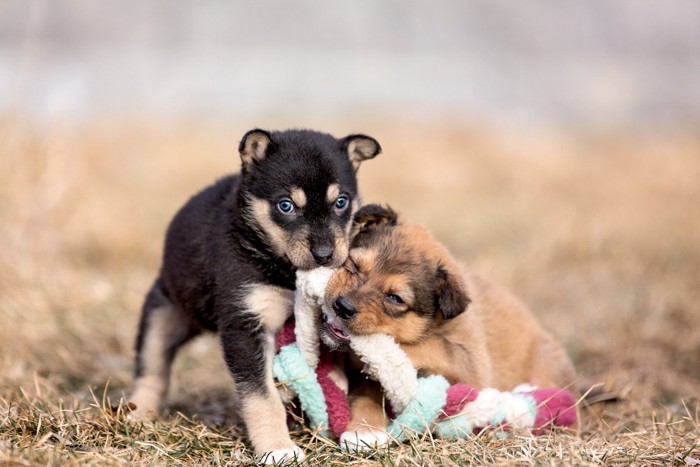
{"type": "Point", "coordinates": [229, 266]}
{"type": "Point", "coordinates": [400, 281]}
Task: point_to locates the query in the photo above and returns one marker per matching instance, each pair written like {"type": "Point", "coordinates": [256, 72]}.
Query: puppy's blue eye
{"type": "Point", "coordinates": [341, 203]}
{"type": "Point", "coordinates": [394, 298]}
{"type": "Point", "coordinates": [286, 206]}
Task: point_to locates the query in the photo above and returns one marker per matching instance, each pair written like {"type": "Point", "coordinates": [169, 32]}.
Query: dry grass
{"type": "Point", "coordinates": [600, 235]}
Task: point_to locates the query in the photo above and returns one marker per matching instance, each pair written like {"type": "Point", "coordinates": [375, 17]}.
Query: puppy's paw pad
{"type": "Point", "coordinates": [363, 440]}
{"type": "Point", "coordinates": [282, 456]}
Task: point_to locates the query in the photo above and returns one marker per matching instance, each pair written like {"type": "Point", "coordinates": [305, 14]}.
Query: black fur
{"type": "Point", "coordinates": [214, 250]}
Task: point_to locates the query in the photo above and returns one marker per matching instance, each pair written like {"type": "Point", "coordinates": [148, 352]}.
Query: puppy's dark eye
{"type": "Point", "coordinates": [286, 206]}
{"type": "Point", "coordinates": [341, 203]}
{"type": "Point", "coordinates": [394, 298]}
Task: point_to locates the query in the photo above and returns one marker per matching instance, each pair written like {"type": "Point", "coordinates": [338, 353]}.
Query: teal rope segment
{"type": "Point", "coordinates": [290, 368]}
{"type": "Point", "coordinates": [424, 409]}
{"type": "Point", "coordinates": [455, 427]}
{"type": "Point", "coordinates": [463, 425]}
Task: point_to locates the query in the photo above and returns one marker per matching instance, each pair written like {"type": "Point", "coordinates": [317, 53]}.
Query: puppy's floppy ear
{"type": "Point", "coordinates": [360, 148]}
{"type": "Point", "coordinates": [450, 297]}
{"type": "Point", "coordinates": [373, 215]}
{"type": "Point", "coordinates": [253, 147]}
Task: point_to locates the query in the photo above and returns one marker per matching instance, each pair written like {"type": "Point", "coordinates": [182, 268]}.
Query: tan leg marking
{"type": "Point", "coordinates": [150, 389]}
{"type": "Point", "coordinates": [266, 421]}
{"type": "Point", "coordinates": [148, 395]}
{"type": "Point", "coordinates": [264, 415]}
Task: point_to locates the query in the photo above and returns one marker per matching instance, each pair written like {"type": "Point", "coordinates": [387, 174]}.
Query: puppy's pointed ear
{"type": "Point", "coordinates": [450, 297]}
{"type": "Point", "coordinates": [253, 147]}
{"type": "Point", "coordinates": [371, 216]}
{"type": "Point", "coordinates": [360, 148]}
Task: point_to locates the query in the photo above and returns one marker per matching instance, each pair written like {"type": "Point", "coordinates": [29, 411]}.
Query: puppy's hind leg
{"type": "Point", "coordinates": [162, 330]}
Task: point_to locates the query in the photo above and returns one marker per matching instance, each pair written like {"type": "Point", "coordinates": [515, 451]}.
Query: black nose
{"type": "Point", "coordinates": [344, 308]}
{"type": "Point", "coordinates": [322, 255]}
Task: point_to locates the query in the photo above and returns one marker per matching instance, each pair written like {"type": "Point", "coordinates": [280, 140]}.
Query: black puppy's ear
{"type": "Point", "coordinates": [360, 148]}
{"type": "Point", "coordinates": [450, 298]}
{"type": "Point", "coordinates": [253, 147]}
{"type": "Point", "coordinates": [373, 215]}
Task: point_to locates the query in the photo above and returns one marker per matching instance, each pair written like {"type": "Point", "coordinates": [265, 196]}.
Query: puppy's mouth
{"type": "Point", "coordinates": [339, 333]}
{"type": "Point", "coordinates": [333, 333]}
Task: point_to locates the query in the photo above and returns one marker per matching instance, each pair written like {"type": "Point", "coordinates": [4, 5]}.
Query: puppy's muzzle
{"type": "Point", "coordinates": [344, 308]}
{"type": "Point", "coordinates": [322, 255]}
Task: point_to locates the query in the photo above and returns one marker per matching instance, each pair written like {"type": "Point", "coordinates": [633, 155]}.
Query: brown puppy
{"type": "Point", "coordinates": [400, 281]}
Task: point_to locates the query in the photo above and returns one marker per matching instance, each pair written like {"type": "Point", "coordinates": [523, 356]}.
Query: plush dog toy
{"type": "Point", "coordinates": [421, 404]}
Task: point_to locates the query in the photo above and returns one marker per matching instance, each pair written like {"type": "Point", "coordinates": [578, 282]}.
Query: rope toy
{"type": "Point", "coordinates": [421, 404]}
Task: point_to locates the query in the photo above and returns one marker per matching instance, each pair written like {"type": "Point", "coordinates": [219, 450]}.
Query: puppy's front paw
{"type": "Point", "coordinates": [363, 440]}
{"type": "Point", "coordinates": [142, 411]}
{"type": "Point", "coordinates": [148, 395]}
{"type": "Point", "coordinates": [142, 416]}
{"type": "Point", "coordinates": [283, 456]}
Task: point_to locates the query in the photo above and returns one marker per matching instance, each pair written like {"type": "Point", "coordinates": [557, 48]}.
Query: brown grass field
{"type": "Point", "coordinates": [600, 235]}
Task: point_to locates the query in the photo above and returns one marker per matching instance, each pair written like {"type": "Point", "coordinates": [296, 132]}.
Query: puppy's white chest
{"type": "Point", "coordinates": [272, 304]}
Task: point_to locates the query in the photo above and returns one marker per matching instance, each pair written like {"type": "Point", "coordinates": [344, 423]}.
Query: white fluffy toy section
{"type": "Point", "coordinates": [308, 300]}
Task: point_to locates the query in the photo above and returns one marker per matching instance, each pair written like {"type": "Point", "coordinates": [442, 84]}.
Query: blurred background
{"type": "Point", "coordinates": [554, 147]}
{"type": "Point", "coordinates": [592, 64]}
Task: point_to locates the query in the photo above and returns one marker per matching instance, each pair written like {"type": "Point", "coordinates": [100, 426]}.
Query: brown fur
{"type": "Point", "coordinates": [451, 322]}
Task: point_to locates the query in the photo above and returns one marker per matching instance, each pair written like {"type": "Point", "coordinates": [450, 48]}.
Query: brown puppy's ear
{"type": "Point", "coordinates": [450, 298]}
{"type": "Point", "coordinates": [360, 148]}
{"type": "Point", "coordinates": [373, 215]}
{"type": "Point", "coordinates": [253, 147]}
